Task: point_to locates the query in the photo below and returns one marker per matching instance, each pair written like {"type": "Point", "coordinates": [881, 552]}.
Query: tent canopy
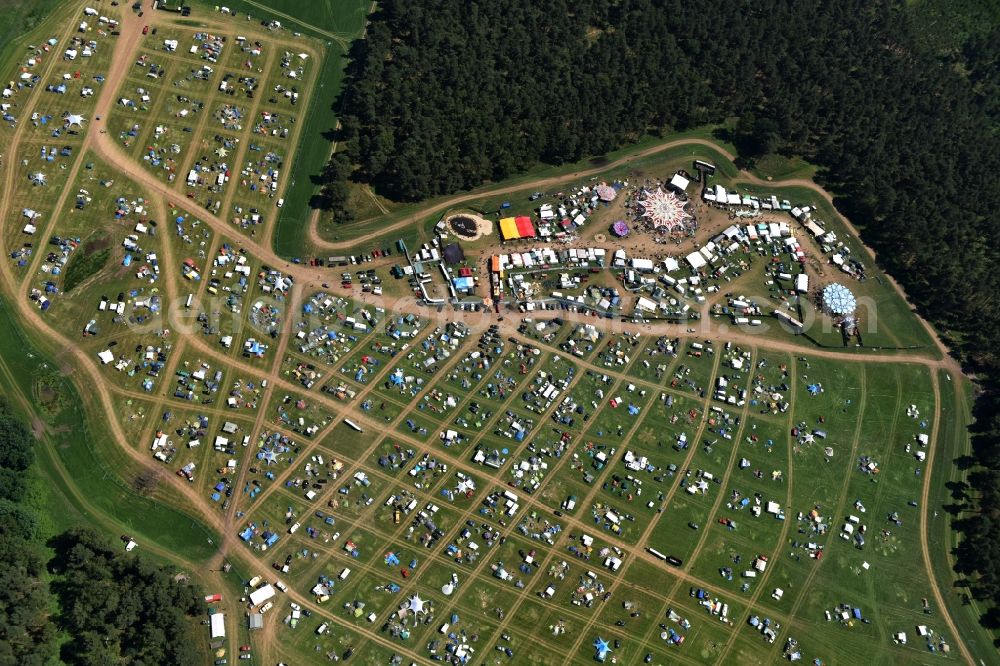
{"type": "Point", "coordinates": [513, 228]}
{"type": "Point", "coordinates": [453, 254]}
{"type": "Point", "coordinates": [525, 228]}
{"type": "Point", "coordinates": [663, 210]}
{"type": "Point", "coordinates": [838, 299]}
{"type": "Point", "coordinates": [508, 229]}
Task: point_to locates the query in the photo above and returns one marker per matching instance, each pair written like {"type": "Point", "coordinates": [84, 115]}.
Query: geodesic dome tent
{"type": "Point", "coordinates": [838, 300]}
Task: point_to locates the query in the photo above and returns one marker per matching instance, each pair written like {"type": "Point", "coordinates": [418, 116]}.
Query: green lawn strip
{"type": "Point", "coordinates": [23, 19]}
{"type": "Point", "coordinates": [78, 450]}
{"type": "Point", "coordinates": [952, 444]}
{"type": "Point", "coordinates": [83, 265]}
{"type": "Point", "coordinates": [780, 167]}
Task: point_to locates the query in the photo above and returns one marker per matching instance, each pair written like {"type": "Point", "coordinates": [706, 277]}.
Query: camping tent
{"type": "Point", "coordinates": [453, 253]}
{"type": "Point", "coordinates": [602, 648]}
{"type": "Point", "coordinates": [218, 625]}
{"type": "Point", "coordinates": [416, 605]}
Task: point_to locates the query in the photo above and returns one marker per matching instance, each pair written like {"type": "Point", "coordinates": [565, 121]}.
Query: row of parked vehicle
{"type": "Point", "coordinates": [345, 260]}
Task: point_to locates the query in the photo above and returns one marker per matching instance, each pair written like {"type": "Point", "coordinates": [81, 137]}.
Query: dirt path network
{"type": "Point", "coordinates": [459, 464]}
{"type": "Point", "coordinates": [924, 527]}
{"type": "Point", "coordinates": [745, 416]}
{"type": "Point", "coordinates": [109, 151]}
{"type": "Point", "coordinates": [101, 395]}
{"type": "Point", "coordinates": [789, 494]}
{"type": "Point", "coordinates": [668, 497]}
{"type": "Point", "coordinates": [838, 511]}
{"type": "Point", "coordinates": [98, 390]}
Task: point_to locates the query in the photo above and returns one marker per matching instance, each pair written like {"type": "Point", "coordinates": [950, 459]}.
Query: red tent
{"type": "Point", "coordinates": [525, 229]}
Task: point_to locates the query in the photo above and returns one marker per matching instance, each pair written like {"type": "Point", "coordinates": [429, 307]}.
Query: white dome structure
{"type": "Point", "coordinates": [838, 300]}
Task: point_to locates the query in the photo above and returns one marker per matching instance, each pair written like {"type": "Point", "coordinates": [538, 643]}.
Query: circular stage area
{"type": "Point", "coordinates": [663, 210]}
{"type": "Point", "coordinates": [468, 226]}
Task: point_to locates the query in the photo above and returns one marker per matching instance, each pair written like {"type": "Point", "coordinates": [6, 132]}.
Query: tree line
{"type": "Point", "coordinates": [27, 634]}
{"type": "Point", "coordinates": [444, 95]}
{"type": "Point", "coordinates": [120, 608]}
{"type": "Point", "coordinates": [112, 607]}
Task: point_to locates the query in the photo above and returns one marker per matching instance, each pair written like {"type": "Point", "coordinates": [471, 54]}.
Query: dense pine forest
{"type": "Point", "coordinates": [121, 609]}
{"type": "Point", "coordinates": [26, 634]}
{"type": "Point", "coordinates": [900, 112]}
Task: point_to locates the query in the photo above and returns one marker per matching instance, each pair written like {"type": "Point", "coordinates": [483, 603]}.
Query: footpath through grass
{"type": "Point", "coordinates": [89, 262]}
{"type": "Point", "coordinates": [953, 444]}
{"type": "Point", "coordinates": [371, 230]}
{"type": "Point", "coordinates": [74, 457]}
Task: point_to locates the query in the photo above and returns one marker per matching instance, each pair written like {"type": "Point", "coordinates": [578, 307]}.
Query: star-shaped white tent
{"type": "Point", "coordinates": [416, 604]}
{"type": "Point", "coordinates": [74, 119]}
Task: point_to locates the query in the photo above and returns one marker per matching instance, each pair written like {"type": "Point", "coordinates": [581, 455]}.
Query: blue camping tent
{"type": "Point", "coordinates": [603, 649]}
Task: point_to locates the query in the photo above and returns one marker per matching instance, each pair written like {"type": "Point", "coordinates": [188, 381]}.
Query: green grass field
{"type": "Point", "coordinates": [84, 479]}
{"type": "Point", "coordinates": [779, 167]}
{"type": "Point", "coordinates": [21, 18]}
